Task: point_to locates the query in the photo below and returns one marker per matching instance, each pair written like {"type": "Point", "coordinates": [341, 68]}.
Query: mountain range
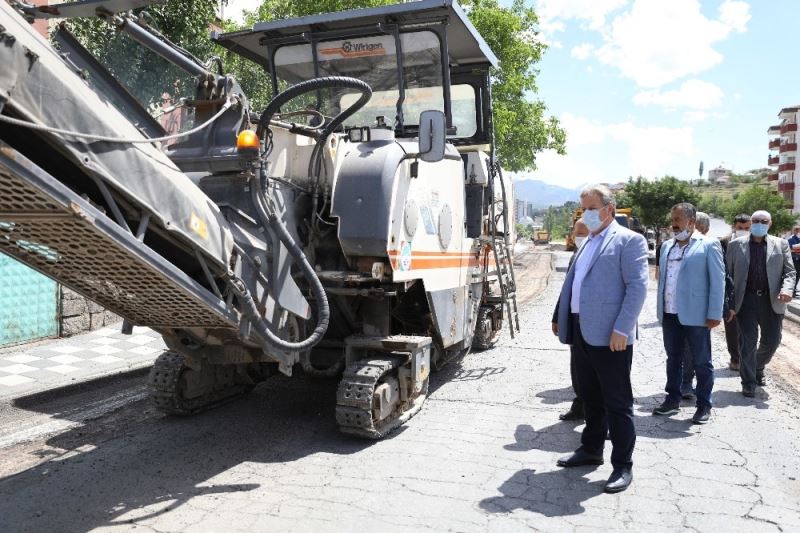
{"type": "Point", "coordinates": [541, 194]}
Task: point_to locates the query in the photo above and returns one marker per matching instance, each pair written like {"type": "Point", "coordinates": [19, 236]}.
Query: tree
{"type": "Point", "coordinates": [185, 22]}
{"type": "Point", "coordinates": [758, 197]}
{"type": "Point", "coordinates": [713, 204]}
{"type": "Point", "coordinates": [521, 127]}
{"type": "Point", "coordinates": [652, 200]}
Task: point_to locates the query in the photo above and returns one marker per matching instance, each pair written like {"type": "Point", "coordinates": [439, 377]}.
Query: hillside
{"type": "Point", "coordinates": [541, 194]}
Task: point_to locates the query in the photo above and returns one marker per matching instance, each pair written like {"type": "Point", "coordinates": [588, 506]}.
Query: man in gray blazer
{"type": "Point", "coordinates": [763, 280]}
{"type": "Point", "coordinates": [598, 309]}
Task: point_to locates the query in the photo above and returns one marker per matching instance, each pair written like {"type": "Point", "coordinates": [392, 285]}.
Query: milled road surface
{"type": "Point", "coordinates": [479, 457]}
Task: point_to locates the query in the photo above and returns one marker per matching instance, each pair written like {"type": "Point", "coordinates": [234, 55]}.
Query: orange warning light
{"type": "Point", "coordinates": [247, 141]}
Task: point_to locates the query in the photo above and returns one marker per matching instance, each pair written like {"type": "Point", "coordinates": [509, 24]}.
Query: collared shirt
{"type": "Point", "coordinates": [590, 248]}
{"type": "Point", "coordinates": [793, 241]}
{"type": "Point", "coordinates": [757, 272]}
{"type": "Point", "coordinates": [674, 258]}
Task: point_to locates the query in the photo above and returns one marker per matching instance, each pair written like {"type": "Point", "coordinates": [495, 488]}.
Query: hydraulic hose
{"type": "Point", "coordinates": [270, 218]}
{"type": "Point", "coordinates": [330, 82]}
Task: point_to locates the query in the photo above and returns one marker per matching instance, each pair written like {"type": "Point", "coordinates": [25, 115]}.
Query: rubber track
{"type": "Point", "coordinates": [165, 390]}
{"type": "Point", "coordinates": [354, 400]}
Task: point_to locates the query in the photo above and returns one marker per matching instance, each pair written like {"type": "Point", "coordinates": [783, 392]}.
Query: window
{"type": "Point", "coordinates": [373, 60]}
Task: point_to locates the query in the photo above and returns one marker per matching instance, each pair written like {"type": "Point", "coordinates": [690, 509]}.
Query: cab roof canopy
{"type": "Point", "coordinates": [465, 45]}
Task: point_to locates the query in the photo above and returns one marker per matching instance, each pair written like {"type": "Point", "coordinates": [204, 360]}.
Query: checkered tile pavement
{"type": "Point", "coordinates": [37, 367]}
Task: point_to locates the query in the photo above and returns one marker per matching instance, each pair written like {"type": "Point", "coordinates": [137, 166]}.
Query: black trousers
{"type": "Point", "coordinates": [732, 338]}
{"type": "Point", "coordinates": [604, 381]}
{"type": "Point", "coordinates": [577, 403]}
{"type": "Point", "coordinates": [756, 314]}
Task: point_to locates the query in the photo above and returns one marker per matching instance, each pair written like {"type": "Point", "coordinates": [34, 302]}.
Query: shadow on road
{"type": "Point", "coordinates": [726, 398]}
{"type": "Point", "coordinates": [557, 493]}
{"type": "Point", "coordinates": [157, 463]}
{"type": "Point", "coordinates": [555, 396]}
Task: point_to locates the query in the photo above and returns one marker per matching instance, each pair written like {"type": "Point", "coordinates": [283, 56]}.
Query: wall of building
{"type": "Point", "coordinates": [79, 314]}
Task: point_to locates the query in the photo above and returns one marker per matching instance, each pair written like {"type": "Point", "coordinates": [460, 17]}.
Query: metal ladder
{"type": "Point", "coordinates": [502, 249]}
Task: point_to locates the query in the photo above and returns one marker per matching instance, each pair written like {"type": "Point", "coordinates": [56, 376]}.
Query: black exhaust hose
{"type": "Point", "coordinates": [271, 219]}
{"type": "Point", "coordinates": [249, 308]}
{"type": "Point", "coordinates": [329, 82]}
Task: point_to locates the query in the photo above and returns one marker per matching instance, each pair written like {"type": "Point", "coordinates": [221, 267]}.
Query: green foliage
{"type": "Point", "coordinates": [758, 197]}
{"type": "Point", "coordinates": [524, 231]}
{"type": "Point", "coordinates": [185, 22]}
{"type": "Point", "coordinates": [652, 200]}
{"type": "Point", "coordinates": [521, 127]}
{"type": "Point", "coordinates": [713, 204]}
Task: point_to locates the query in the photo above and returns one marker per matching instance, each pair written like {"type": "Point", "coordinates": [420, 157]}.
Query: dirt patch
{"type": "Point", "coordinates": [532, 270]}
{"type": "Point", "coordinates": [785, 366]}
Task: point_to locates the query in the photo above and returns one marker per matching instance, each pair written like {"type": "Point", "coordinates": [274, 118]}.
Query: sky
{"type": "Point", "coordinates": [653, 87]}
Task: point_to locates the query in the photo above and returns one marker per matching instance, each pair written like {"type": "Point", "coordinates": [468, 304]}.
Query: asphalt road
{"type": "Point", "coordinates": [479, 457]}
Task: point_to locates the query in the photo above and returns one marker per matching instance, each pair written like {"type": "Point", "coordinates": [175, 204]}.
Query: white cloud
{"type": "Point", "coordinates": [581, 131]}
{"type": "Point", "coordinates": [651, 149]}
{"type": "Point", "coordinates": [735, 14]}
{"type": "Point", "coordinates": [658, 42]}
{"type": "Point", "coordinates": [582, 51]}
{"type": "Point", "coordinates": [565, 170]}
{"type": "Point", "coordinates": [602, 152]}
{"type": "Point", "coordinates": [592, 12]}
{"type": "Point", "coordinates": [692, 94]}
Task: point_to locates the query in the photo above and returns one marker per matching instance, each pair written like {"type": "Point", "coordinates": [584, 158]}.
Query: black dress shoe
{"type": "Point", "coordinates": [619, 480]}
{"type": "Point", "coordinates": [761, 381]}
{"type": "Point", "coordinates": [702, 415]}
{"type": "Point", "coordinates": [580, 458]}
{"type": "Point", "coordinates": [748, 391]}
{"type": "Point", "coordinates": [572, 414]}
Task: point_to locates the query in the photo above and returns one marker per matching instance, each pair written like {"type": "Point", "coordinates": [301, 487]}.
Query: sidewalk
{"type": "Point", "coordinates": [50, 364]}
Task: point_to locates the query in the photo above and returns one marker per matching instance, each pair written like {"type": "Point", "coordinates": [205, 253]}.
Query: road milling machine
{"type": "Point", "coordinates": [357, 227]}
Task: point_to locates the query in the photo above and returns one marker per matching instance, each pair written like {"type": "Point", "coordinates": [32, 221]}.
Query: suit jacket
{"type": "Point", "coordinates": [700, 292]}
{"type": "Point", "coordinates": [730, 295]}
{"type": "Point", "coordinates": [780, 269]}
{"type": "Point", "coordinates": [613, 290]}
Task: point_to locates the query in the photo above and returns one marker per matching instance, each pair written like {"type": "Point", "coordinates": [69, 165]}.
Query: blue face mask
{"type": "Point", "coordinates": [591, 217]}
{"type": "Point", "coordinates": [759, 230]}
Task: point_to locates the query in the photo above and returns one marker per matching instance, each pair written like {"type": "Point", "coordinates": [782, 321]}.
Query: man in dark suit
{"type": "Point", "coordinates": [763, 281]}
{"type": "Point", "coordinates": [575, 411]}
{"type": "Point", "coordinates": [794, 246]}
{"type": "Point", "coordinates": [599, 305]}
{"type": "Point", "coordinates": [740, 228]}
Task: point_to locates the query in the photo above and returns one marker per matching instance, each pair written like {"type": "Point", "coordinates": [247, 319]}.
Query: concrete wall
{"type": "Point", "coordinates": [79, 314]}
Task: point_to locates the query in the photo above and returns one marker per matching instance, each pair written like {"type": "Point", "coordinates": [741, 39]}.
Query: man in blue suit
{"type": "Point", "coordinates": [598, 308]}
{"type": "Point", "coordinates": [691, 290]}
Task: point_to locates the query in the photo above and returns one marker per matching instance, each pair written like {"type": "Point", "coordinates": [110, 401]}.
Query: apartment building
{"type": "Point", "coordinates": [783, 142]}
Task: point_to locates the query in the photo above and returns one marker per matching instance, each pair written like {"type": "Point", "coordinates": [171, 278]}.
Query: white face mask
{"type": "Point", "coordinates": [579, 241]}
{"type": "Point", "coordinates": [739, 233]}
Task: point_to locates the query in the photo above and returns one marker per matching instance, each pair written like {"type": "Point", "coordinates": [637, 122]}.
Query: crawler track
{"type": "Point", "coordinates": [168, 390]}
{"type": "Point", "coordinates": [354, 400]}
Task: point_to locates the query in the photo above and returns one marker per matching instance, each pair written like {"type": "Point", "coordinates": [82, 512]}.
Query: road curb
{"type": "Point", "coordinates": [135, 370]}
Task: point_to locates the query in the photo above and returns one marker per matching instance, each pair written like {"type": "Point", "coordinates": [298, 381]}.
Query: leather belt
{"type": "Point", "coordinates": [759, 292]}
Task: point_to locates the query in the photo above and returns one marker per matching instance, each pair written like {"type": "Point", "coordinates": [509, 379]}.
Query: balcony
{"type": "Point", "coordinates": [788, 128]}
{"type": "Point", "coordinates": [773, 177]}
{"type": "Point", "coordinates": [773, 160]}
{"type": "Point", "coordinates": [786, 187]}
{"type": "Point", "coordinates": [774, 144]}
{"type": "Point", "coordinates": [786, 167]}
{"type": "Point", "coordinates": [788, 147]}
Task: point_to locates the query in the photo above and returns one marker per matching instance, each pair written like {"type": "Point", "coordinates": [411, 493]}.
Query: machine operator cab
{"type": "Point", "coordinates": [416, 57]}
